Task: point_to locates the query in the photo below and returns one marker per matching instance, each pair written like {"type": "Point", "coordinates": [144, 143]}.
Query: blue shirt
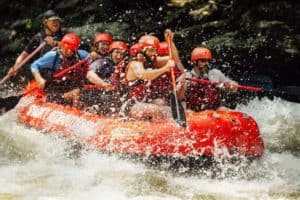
{"type": "Point", "coordinates": [48, 59]}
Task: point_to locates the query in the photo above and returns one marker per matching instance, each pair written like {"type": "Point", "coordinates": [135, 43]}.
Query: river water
{"type": "Point", "coordinates": [35, 166]}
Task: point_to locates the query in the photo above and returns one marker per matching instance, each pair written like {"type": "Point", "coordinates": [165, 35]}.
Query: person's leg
{"type": "Point", "coordinates": [73, 96]}
{"type": "Point", "coordinates": [149, 111]}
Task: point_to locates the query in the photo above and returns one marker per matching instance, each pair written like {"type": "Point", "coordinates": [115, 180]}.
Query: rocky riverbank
{"type": "Point", "coordinates": [249, 37]}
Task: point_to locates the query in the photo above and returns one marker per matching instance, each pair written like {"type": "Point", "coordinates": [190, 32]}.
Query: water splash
{"type": "Point", "coordinates": [279, 122]}
{"type": "Point", "coordinates": [35, 165]}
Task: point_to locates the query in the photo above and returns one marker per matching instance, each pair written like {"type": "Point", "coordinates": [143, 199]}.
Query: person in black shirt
{"type": "Point", "coordinates": [52, 33]}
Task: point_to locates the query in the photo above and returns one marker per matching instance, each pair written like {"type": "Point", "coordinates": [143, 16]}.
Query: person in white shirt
{"type": "Point", "coordinates": [201, 97]}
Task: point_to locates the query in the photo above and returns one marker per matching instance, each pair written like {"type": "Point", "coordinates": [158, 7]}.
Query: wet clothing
{"type": "Point", "coordinates": [118, 77]}
{"type": "Point", "coordinates": [38, 38]}
{"type": "Point", "coordinates": [103, 67]}
{"type": "Point", "coordinates": [147, 91]}
{"type": "Point", "coordinates": [54, 62]}
{"type": "Point", "coordinates": [162, 87]}
{"type": "Point", "coordinates": [200, 97]}
{"type": "Point", "coordinates": [97, 99]}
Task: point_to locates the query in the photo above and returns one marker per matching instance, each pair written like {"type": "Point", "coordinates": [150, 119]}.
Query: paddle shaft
{"type": "Point", "coordinates": [73, 67]}
{"type": "Point", "coordinates": [10, 102]}
{"type": "Point", "coordinates": [241, 87]}
{"type": "Point", "coordinates": [180, 115]}
{"type": "Point", "coordinates": [172, 75]}
{"type": "Point", "coordinates": [21, 64]}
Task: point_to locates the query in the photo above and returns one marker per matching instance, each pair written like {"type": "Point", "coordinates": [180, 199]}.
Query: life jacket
{"type": "Point", "coordinates": [78, 74]}
{"type": "Point", "coordinates": [138, 89]}
{"type": "Point", "coordinates": [202, 97]}
{"type": "Point", "coordinates": [161, 87]}
{"type": "Point", "coordinates": [117, 79]}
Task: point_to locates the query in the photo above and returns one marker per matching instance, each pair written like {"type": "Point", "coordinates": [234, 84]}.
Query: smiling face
{"type": "Point", "coordinates": [103, 47]}
{"type": "Point", "coordinates": [52, 25]}
{"type": "Point", "coordinates": [117, 55]}
{"type": "Point", "coordinates": [151, 53]}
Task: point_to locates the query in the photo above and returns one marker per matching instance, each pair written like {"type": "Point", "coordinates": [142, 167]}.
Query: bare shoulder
{"type": "Point", "coordinates": [135, 65]}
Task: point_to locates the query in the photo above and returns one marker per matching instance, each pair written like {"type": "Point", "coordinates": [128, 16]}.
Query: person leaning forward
{"type": "Point", "coordinates": [103, 95]}
{"type": "Point", "coordinates": [52, 33]}
{"type": "Point", "coordinates": [64, 89]}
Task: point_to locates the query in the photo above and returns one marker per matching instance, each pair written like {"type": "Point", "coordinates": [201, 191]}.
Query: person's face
{"type": "Point", "coordinates": [117, 55]}
{"type": "Point", "coordinates": [103, 47]}
{"type": "Point", "coordinates": [202, 63]}
{"type": "Point", "coordinates": [53, 25]}
{"type": "Point", "coordinates": [151, 53]}
{"type": "Point", "coordinates": [67, 53]}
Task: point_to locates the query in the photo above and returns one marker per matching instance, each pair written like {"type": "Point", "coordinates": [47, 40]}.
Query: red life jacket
{"type": "Point", "coordinates": [161, 87]}
{"type": "Point", "coordinates": [201, 97]}
{"type": "Point", "coordinates": [117, 78]}
{"type": "Point", "coordinates": [79, 73]}
{"type": "Point", "coordinates": [137, 89]}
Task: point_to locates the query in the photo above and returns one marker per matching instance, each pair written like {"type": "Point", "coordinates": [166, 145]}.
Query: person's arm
{"type": "Point", "coordinates": [218, 76]}
{"type": "Point", "coordinates": [12, 71]}
{"type": "Point", "coordinates": [46, 61]}
{"type": "Point", "coordinates": [95, 79]}
{"type": "Point", "coordinates": [39, 79]}
{"type": "Point", "coordinates": [149, 74]}
{"type": "Point", "coordinates": [174, 50]}
{"type": "Point", "coordinates": [162, 60]}
{"type": "Point", "coordinates": [181, 86]}
{"type": "Point", "coordinates": [83, 54]}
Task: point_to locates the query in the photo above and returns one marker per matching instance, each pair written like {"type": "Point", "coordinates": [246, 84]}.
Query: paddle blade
{"type": "Point", "coordinates": [177, 111]}
{"type": "Point", "coordinates": [9, 103]}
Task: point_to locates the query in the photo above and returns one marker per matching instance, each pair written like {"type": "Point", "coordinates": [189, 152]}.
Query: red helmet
{"type": "Point", "coordinates": [163, 49]}
{"type": "Point", "coordinates": [102, 37]}
{"type": "Point", "coordinates": [70, 41]}
{"type": "Point", "coordinates": [135, 49]}
{"type": "Point", "coordinates": [118, 45]}
{"type": "Point", "coordinates": [149, 41]}
{"type": "Point", "coordinates": [201, 53]}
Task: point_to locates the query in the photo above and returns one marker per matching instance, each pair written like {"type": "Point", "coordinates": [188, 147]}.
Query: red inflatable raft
{"type": "Point", "coordinates": [208, 133]}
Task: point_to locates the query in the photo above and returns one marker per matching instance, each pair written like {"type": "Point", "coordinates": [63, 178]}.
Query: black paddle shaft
{"type": "Point", "coordinates": [9, 103]}
{"type": "Point", "coordinates": [177, 110]}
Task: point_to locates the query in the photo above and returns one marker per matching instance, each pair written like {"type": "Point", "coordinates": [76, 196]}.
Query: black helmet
{"type": "Point", "coordinates": [51, 15]}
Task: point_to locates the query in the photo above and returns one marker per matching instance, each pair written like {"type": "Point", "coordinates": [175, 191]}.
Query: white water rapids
{"type": "Point", "coordinates": [35, 166]}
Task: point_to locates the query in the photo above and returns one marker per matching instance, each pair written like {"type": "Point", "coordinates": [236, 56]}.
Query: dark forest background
{"type": "Point", "coordinates": [249, 38]}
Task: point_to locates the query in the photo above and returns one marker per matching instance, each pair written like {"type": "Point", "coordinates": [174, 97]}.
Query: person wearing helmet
{"type": "Point", "coordinates": [101, 44]}
{"type": "Point", "coordinates": [67, 88]}
{"type": "Point", "coordinates": [104, 75]}
{"type": "Point", "coordinates": [52, 33]}
{"type": "Point", "coordinates": [161, 87]}
{"type": "Point", "coordinates": [101, 69]}
{"type": "Point", "coordinates": [134, 50]}
{"type": "Point", "coordinates": [139, 74]}
{"type": "Point", "coordinates": [201, 97]}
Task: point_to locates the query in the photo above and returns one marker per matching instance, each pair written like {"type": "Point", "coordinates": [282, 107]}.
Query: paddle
{"type": "Point", "coordinates": [226, 85]}
{"type": "Point", "coordinates": [176, 106]}
{"type": "Point", "coordinates": [10, 102]}
{"type": "Point", "coordinates": [71, 68]}
{"type": "Point", "coordinates": [290, 93]}
{"type": "Point", "coordinates": [18, 66]}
